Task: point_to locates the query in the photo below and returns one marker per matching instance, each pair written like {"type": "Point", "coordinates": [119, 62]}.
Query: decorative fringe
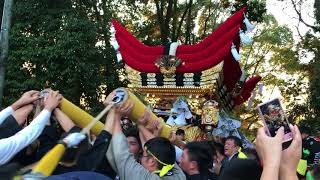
{"type": "Point", "coordinates": [249, 26]}
{"type": "Point", "coordinates": [244, 39]}
{"type": "Point", "coordinates": [250, 102]}
{"type": "Point", "coordinates": [235, 53]}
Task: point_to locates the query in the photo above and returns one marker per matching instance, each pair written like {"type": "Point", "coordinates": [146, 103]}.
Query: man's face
{"type": "Point", "coordinates": [134, 146]}
{"type": "Point", "coordinates": [230, 148]}
{"type": "Point", "coordinates": [180, 137]}
{"type": "Point", "coordinates": [146, 161]}
{"type": "Point", "coordinates": [185, 162]}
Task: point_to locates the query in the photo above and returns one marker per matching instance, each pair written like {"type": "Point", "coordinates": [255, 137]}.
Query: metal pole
{"type": "Point", "coordinates": [4, 43]}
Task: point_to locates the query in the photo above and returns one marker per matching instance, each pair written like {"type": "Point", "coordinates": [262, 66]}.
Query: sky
{"type": "Point", "coordinates": [286, 15]}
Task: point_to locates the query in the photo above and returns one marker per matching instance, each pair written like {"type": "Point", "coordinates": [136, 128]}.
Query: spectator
{"type": "Point", "coordinates": [180, 135]}
{"type": "Point", "coordinates": [196, 160]}
{"type": "Point", "coordinates": [231, 148]}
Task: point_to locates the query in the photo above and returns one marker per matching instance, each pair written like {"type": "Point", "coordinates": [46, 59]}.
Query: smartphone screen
{"type": "Point", "coordinates": [274, 117]}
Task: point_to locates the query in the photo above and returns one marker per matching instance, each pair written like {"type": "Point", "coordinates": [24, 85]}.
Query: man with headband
{"type": "Point", "coordinates": [157, 161]}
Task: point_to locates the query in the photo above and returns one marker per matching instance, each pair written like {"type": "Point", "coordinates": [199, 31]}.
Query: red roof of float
{"type": "Point", "coordinates": [195, 58]}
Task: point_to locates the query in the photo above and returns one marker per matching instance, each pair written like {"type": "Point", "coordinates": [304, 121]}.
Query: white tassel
{"type": "Point", "coordinates": [170, 121]}
{"type": "Point", "coordinates": [243, 75]}
{"type": "Point", "coordinates": [112, 30]}
{"type": "Point", "coordinates": [235, 53]}
{"type": "Point", "coordinates": [250, 102]}
{"type": "Point", "coordinates": [244, 39]}
{"type": "Point", "coordinates": [114, 44]}
{"type": "Point", "coordinates": [180, 120]}
{"type": "Point", "coordinates": [173, 48]}
{"type": "Point", "coordinates": [249, 26]}
{"type": "Point", "coordinates": [119, 57]}
{"type": "Point", "coordinates": [260, 89]}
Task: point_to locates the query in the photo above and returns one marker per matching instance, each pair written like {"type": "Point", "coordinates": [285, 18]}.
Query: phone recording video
{"type": "Point", "coordinates": [274, 117]}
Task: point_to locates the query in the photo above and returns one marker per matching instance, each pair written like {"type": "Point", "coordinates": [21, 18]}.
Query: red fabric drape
{"type": "Point", "coordinates": [122, 32]}
{"type": "Point", "coordinates": [236, 19]}
{"type": "Point", "coordinates": [198, 57]}
{"type": "Point", "coordinates": [246, 90]}
{"type": "Point", "coordinates": [231, 68]}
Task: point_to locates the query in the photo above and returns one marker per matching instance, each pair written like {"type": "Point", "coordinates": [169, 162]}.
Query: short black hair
{"type": "Point", "coordinates": [202, 154]}
{"type": "Point", "coordinates": [217, 147]}
{"type": "Point", "coordinates": [133, 132]}
{"type": "Point", "coordinates": [236, 140]}
{"type": "Point", "coordinates": [180, 132]}
{"type": "Point", "coordinates": [162, 149]}
{"type": "Point", "coordinates": [242, 169]}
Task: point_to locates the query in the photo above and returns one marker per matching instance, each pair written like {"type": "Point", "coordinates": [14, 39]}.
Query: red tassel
{"type": "Point", "coordinates": [246, 90]}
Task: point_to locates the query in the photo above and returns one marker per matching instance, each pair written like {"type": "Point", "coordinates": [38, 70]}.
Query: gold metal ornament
{"type": "Point", "coordinates": [210, 112]}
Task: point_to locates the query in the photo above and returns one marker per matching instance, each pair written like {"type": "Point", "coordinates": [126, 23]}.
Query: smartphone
{"type": "Point", "coordinates": [273, 117]}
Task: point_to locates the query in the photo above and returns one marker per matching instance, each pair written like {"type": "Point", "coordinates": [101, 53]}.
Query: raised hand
{"type": "Point", "coordinates": [52, 100]}
{"type": "Point", "coordinates": [26, 98]}
{"type": "Point", "coordinates": [269, 148]}
{"type": "Point", "coordinates": [144, 119]}
{"type": "Point", "coordinates": [291, 156]}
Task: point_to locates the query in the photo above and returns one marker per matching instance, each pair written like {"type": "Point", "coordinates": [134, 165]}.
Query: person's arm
{"type": "Point", "coordinates": [118, 154]}
{"type": "Point", "coordinates": [26, 98]}
{"type": "Point", "coordinates": [65, 122]}
{"type": "Point", "coordinates": [22, 113]}
{"type": "Point", "coordinates": [269, 150]}
{"type": "Point", "coordinates": [12, 145]}
{"type": "Point", "coordinates": [96, 155]}
{"type": "Point", "coordinates": [5, 113]}
{"type": "Point", "coordinates": [291, 156]}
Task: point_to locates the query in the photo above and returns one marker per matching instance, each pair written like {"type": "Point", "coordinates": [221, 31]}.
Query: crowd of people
{"type": "Point", "coordinates": [138, 152]}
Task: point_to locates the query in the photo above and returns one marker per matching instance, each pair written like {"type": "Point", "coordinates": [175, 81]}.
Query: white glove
{"type": "Point", "coordinates": [74, 139]}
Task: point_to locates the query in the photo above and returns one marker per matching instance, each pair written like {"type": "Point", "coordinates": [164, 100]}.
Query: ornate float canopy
{"type": "Point", "coordinates": [208, 68]}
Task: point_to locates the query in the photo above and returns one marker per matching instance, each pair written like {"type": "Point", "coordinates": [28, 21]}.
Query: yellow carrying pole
{"type": "Point", "coordinates": [79, 116]}
{"type": "Point", "coordinates": [49, 162]}
{"type": "Point", "coordinates": [121, 95]}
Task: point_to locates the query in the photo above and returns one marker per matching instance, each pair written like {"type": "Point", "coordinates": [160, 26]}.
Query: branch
{"type": "Point", "coordinates": [315, 28]}
{"type": "Point", "coordinates": [206, 21]}
{"type": "Point", "coordinates": [168, 15]}
{"type": "Point", "coordinates": [161, 21]}
{"type": "Point", "coordinates": [182, 19]}
{"type": "Point", "coordinates": [174, 21]}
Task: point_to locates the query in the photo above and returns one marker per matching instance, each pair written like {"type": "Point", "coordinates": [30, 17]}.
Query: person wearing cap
{"type": "Point", "coordinates": [157, 161]}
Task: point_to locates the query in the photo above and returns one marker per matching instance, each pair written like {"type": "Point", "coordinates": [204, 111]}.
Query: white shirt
{"type": "Point", "coordinates": [10, 146]}
{"type": "Point", "coordinates": [5, 113]}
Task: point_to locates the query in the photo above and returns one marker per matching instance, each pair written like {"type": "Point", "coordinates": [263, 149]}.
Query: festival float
{"type": "Point", "coordinates": [190, 84]}
{"type": "Point", "coordinates": [192, 87]}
